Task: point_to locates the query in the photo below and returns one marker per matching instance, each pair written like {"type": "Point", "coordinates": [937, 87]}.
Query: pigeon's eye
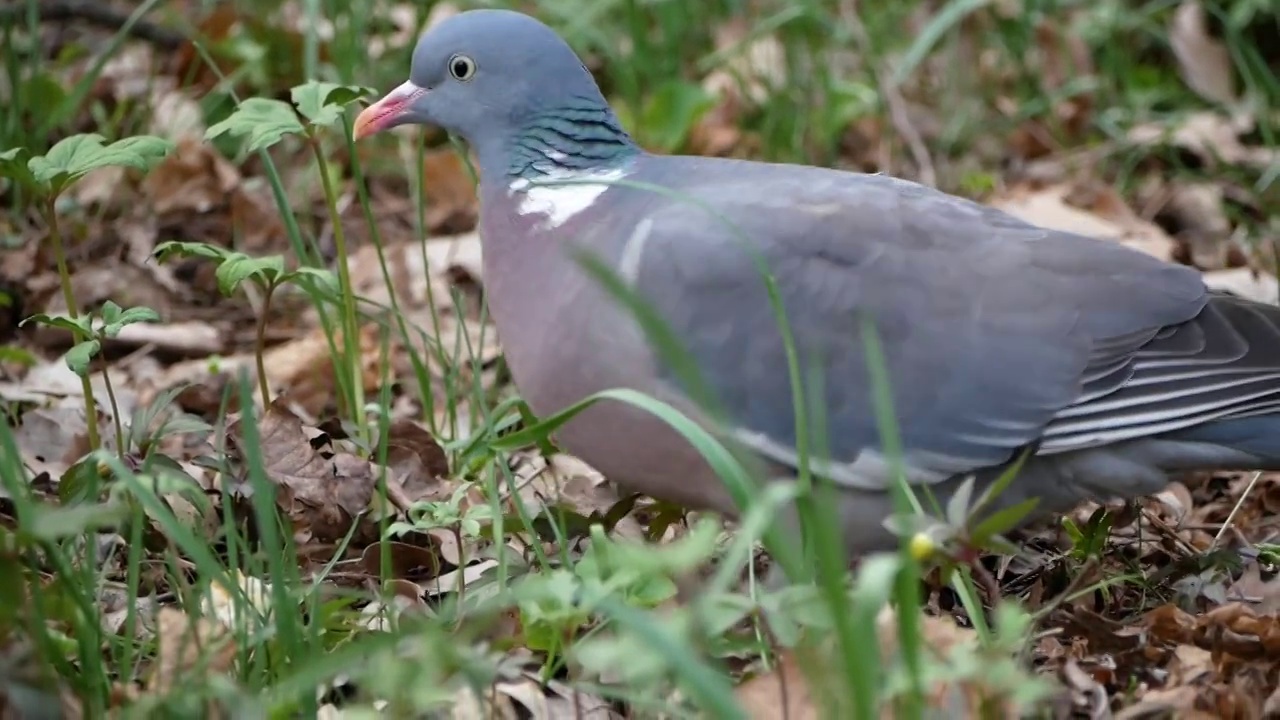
{"type": "Point", "coordinates": [462, 67]}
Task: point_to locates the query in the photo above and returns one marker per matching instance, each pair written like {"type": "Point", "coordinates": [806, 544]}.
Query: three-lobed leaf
{"type": "Point", "coordinates": [76, 156]}
{"type": "Point", "coordinates": [114, 318]}
{"type": "Point", "coordinates": [314, 278]}
{"type": "Point", "coordinates": [322, 103]}
{"type": "Point", "coordinates": [262, 122]}
{"type": "Point", "coordinates": [238, 267]}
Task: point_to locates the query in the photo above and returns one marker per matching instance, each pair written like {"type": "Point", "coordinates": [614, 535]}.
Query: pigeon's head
{"type": "Point", "coordinates": [484, 74]}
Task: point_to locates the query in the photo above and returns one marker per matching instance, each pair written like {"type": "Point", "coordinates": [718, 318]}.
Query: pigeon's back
{"type": "Point", "coordinates": [998, 335]}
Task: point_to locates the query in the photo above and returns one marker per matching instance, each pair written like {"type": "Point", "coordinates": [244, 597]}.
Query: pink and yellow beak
{"type": "Point", "coordinates": [386, 112]}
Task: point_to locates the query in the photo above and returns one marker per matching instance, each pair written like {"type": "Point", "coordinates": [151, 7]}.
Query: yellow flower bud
{"type": "Point", "coordinates": [922, 546]}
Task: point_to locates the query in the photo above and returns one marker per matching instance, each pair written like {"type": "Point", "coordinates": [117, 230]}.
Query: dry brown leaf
{"type": "Point", "coordinates": [175, 115]}
{"type": "Point", "coordinates": [193, 178]}
{"type": "Point", "coordinates": [782, 693]}
{"type": "Point", "coordinates": [553, 700]}
{"type": "Point", "coordinates": [189, 647]}
{"type": "Point", "coordinates": [566, 482]}
{"type": "Point", "coordinates": [406, 560]}
{"type": "Point", "coordinates": [321, 493]}
{"type": "Point", "coordinates": [416, 461]}
{"type": "Point", "coordinates": [404, 18]}
{"type": "Point", "coordinates": [449, 193]}
{"type": "Point", "coordinates": [255, 219]}
{"type": "Point", "coordinates": [128, 73]}
{"type": "Point", "coordinates": [1198, 212]}
{"type": "Point", "coordinates": [302, 368]}
{"type": "Point", "coordinates": [126, 285]}
{"type": "Point", "coordinates": [754, 66]}
{"type": "Point", "coordinates": [1051, 207]}
{"type": "Point", "coordinates": [51, 438]}
{"type": "Point", "coordinates": [1203, 61]}
{"type": "Point", "coordinates": [185, 338]}
{"type": "Point", "coordinates": [103, 187]}
{"type": "Point", "coordinates": [1263, 594]}
{"type": "Point", "coordinates": [1210, 136]}
{"type": "Point", "coordinates": [786, 691]}
{"type": "Point", "coordinates": [116, 607]}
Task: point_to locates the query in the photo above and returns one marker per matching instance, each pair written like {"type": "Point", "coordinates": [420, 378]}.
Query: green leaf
{"type": "Point", "coordinates": [110, 311]}
{"type": "Point", "coordinates": [671, 112]}
{"type": "Point", "coordinates": [77, 155]}
{"type": "Point", "coordinates": [314, 278]}
{"type": "Point", "coordinates": [127, 317]}
{"type": "Point", "coordinates": [238, 267]}
{"type": "Point", "coordinates": [321, 103]}
{"type": "Point", "coordinates": [1004, 519]}
{"type": "Point", "coordinates": [80, 354]}
{"type": "Point", "coordinates": [51, 523]}
{"type": "Point", "coordinates": [263, 122]}
{"type": "Point", "coordinates": [17, 355]}
{"type": "Point", "coordinates": [79, 324]}
{"type": "Point", "coordinates": [167, 249]}
{"type": "Point", "coordinates": [13, 165]}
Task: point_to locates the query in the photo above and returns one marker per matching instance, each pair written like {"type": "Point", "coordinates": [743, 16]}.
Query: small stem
{"type": "Point", "coordinates": [68, 295]}
{"type": "Point", "coordinates": [121, 450]}
{"type": "Point", "coordinates": [260, 347]}
{"type": "Point", "coordinates": [351, 329]}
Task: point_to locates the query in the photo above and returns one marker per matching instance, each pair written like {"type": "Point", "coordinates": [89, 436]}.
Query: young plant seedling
{"type": "Point", "coordinates": [268, 273]}
{"type": "Point", "coordinates": [45, 178]}
{"type": "Point", "coordinates": [263, 122]}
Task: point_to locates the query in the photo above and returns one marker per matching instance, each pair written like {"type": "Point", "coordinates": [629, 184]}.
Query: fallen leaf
{"type": "Point", "coordinates": [1212, 137]}
{"type": "Point", "coordinates": [1051, 207]}
{"type": "Point", "coordinates": [1203, 61]}
{"type": "Point", "coordinates": [1197, 211]}
{"type": "Point", "coordinates": [321, 493]}
{"type": "Point", "coordinates": [255, 218]}
{"type": "Point", "coordinates": [416, 460]}
{"type": "Point", "coordinates": [52, 438]}
{"type": "Point", "coordinates": [405, 561]}
{"type": "Point", "coordinates": [193, 178]}
{"type": "Point", "coordinates": [186, 647]}
{"type": "Point", "coordinates": [449, 193]}
{"type": "Point", "coordinates": [303, 368]}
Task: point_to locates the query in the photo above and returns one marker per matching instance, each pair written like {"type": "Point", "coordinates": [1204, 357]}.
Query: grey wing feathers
{"type": "Point", "coordinates": [993, 330]}
{"type": "Point", "coordinates": [1223, 363]}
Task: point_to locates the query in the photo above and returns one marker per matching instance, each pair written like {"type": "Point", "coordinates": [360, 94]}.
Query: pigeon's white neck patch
{"type": "Point", "coordinates": [558, 203]}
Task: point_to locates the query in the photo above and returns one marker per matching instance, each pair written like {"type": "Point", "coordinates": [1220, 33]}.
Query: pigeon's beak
{"type": "Point", "coordinates": [388, 112]}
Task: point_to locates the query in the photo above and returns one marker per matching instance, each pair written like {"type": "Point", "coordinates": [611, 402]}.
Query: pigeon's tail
{"type": "Point", "coordinates": [1243, 391]}
{"type": "Point", "coordinates": [1244, 443]}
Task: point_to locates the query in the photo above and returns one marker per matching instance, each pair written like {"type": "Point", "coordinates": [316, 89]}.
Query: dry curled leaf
{"type": "Point", "coordinates": [321, 493]}
{"type": "Point", "coordinates": [1203, 61]}
{"type": "Point", "coordinates": [416, 460]}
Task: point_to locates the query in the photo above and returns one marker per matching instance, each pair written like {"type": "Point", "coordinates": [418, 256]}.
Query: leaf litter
{"type": "Point", "coordinates": [1192, 627]}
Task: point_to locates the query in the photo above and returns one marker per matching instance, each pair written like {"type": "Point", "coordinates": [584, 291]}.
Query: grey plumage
{"type": "Point", "coordinates": [1112, 367]}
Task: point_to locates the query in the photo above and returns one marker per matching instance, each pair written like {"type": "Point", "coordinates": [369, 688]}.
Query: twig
{"type": "Point", "coordinates": [898, 113]}
{"type": "Point", "coordinates": [1232, 515]}
{"type": "Point", "coordinates": [93, 13]}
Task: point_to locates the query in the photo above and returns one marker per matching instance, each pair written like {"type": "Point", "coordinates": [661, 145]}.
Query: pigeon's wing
{"type": "Point", "coordinates": [990, 327]}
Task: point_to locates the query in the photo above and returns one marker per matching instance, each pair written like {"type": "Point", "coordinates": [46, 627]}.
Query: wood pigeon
{"type": "Point", "coordinates": [1106, 367]}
